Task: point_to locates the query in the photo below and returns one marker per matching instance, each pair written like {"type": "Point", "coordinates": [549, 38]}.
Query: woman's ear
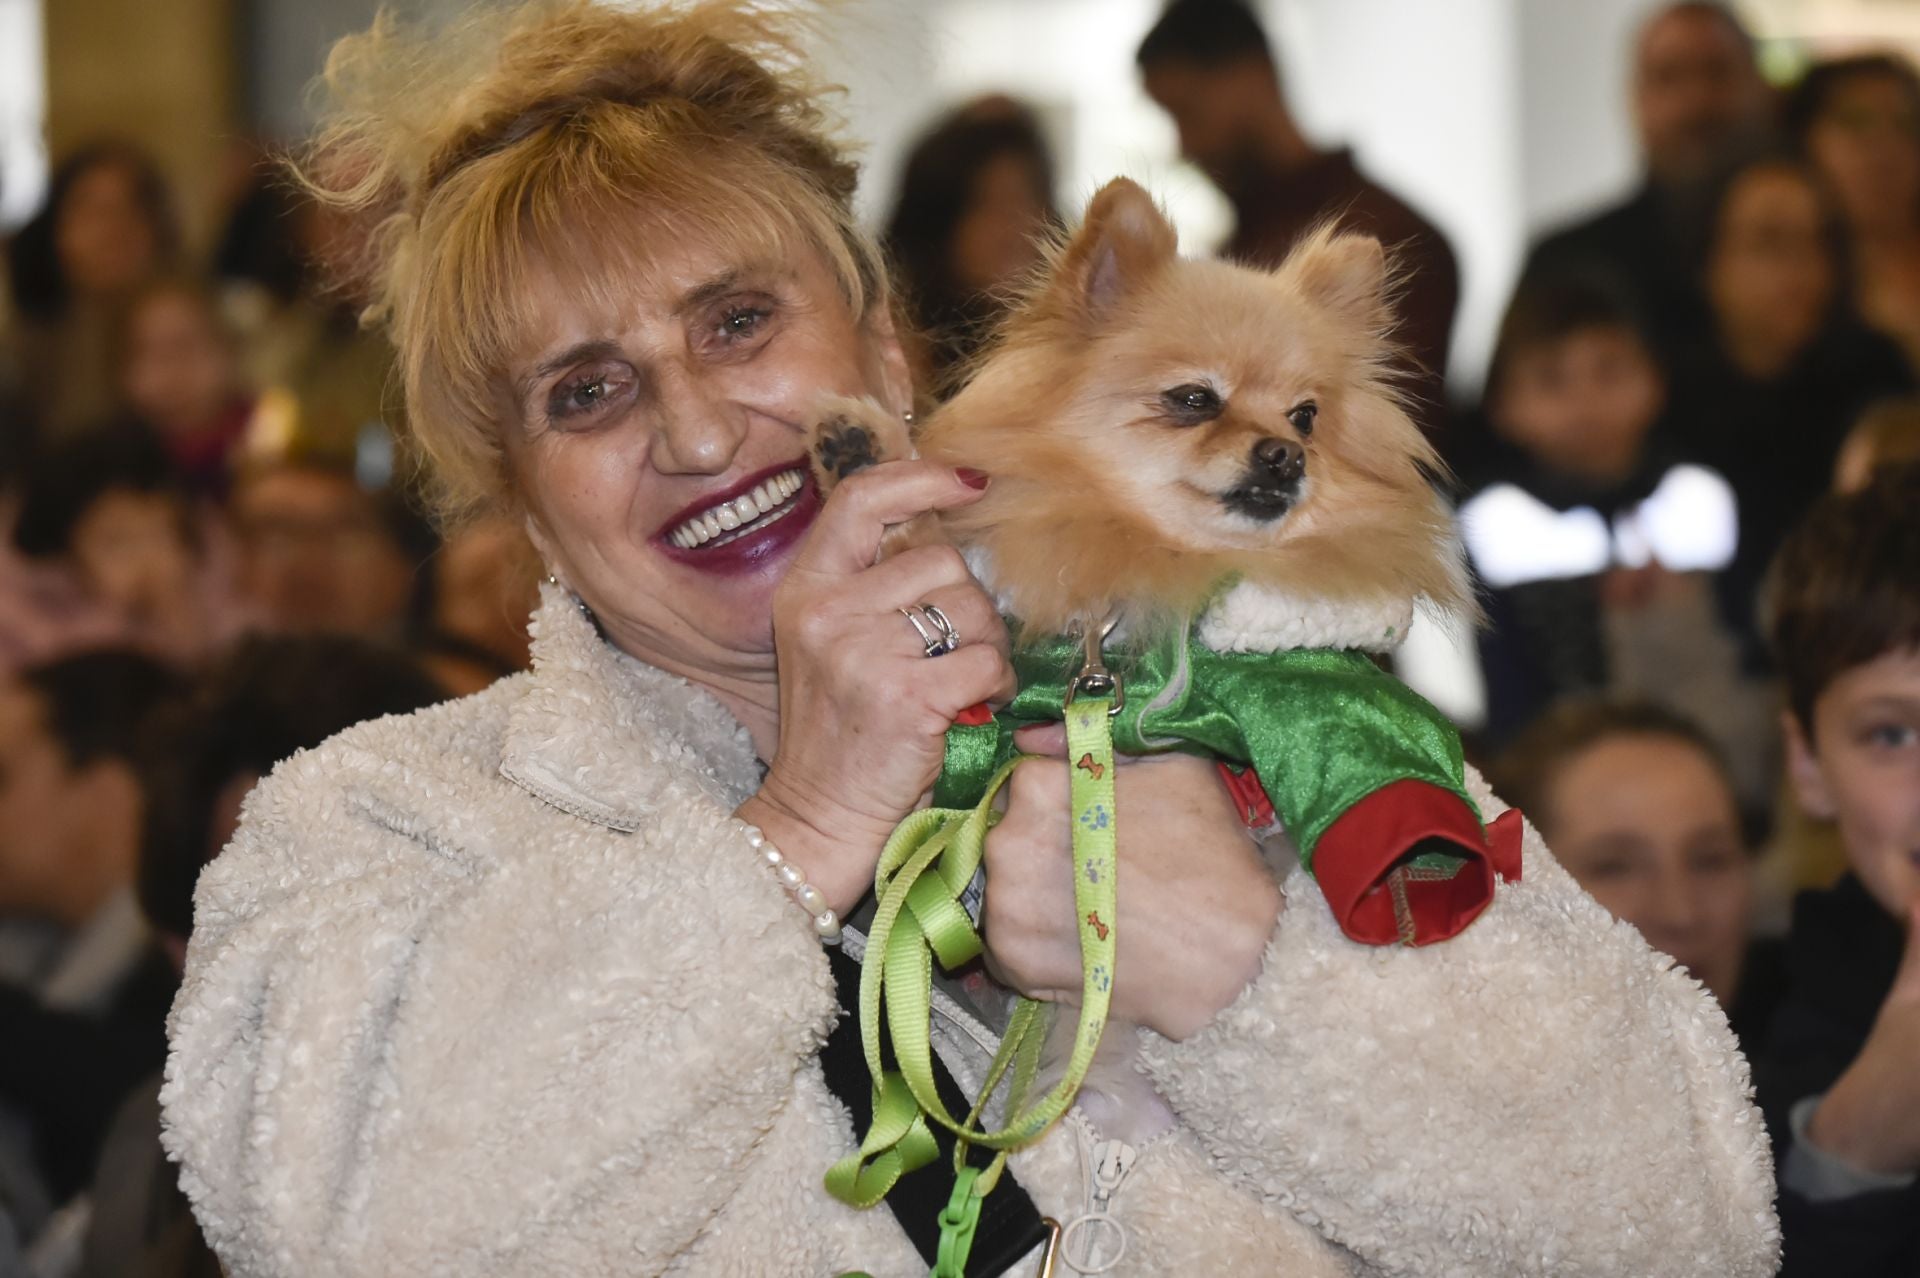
{"type": "Point", "coordinates": [543, 548]}
{"type": "Point", "coordinates": [1803, 769]}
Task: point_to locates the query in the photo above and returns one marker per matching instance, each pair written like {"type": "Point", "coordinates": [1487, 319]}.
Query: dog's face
{"type": "Point", "coordinates": [1219, 403]}
{"type": "Point", "coordinates": [1224, 419]}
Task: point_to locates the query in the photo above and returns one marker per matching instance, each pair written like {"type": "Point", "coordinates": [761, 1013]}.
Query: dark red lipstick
{"type": "Point", "coordinates": [755, 542]}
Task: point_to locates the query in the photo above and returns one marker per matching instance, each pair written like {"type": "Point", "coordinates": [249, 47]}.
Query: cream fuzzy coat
{"type": "Point", "coordinates": [500, 988]}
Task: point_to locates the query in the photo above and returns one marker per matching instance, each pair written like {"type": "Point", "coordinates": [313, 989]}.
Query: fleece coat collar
{"type": "Point", "coordinates": [594, 725]}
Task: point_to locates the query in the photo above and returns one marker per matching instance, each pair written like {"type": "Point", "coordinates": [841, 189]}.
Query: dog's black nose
{"type": "Point", "coordinates": [1285, 460]}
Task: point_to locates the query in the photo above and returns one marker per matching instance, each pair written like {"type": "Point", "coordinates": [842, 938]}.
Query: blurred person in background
{"type": "Point", "coordinates": [288, 271]}
{"type": "Point", "coordinates": [1209, 65]}
{"type": "Point", "coordinates": [1858, 120]}
{"type": "Point", "coordinates": [1644, 816]}
{"type": "Point", "coordinates": [486, 583]}
{"type": "Point", "coordinates": [266, 701]}
{"type": "Point", "coordinates": [87, 1022]}
{"type": "Point", "coordinates": [1698, 102]}
{"type": "Point", "coordinates": [1595, 541]}
{"type": "Point", "coordinates": [975, 206]}
{"type": "Point", "coordinates": [1767, 394]}
{"type": "Point", "coordinates": [181, 376]}
{"type": "Point", "coordinates": [319, 553]}
{"type": "Point", "coordinates": [110, 548]}
{"type": "Point", "coordinates": [1638, 806]}
{"type": "Point", "coordinates": [107, 228]}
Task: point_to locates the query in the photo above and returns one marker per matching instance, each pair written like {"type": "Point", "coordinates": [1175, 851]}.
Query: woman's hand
{"type": "Point", "coordinates": [1197, 903]}
{"type": "Point", "coordinates": [863, 710]}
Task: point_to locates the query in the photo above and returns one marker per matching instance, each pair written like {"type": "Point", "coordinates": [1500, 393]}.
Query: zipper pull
{"type": "Point", "coordinates": [1112, 1162]}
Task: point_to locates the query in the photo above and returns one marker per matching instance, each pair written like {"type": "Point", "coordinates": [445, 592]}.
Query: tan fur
{"type": "Point", "coordinates": [1100, 502]}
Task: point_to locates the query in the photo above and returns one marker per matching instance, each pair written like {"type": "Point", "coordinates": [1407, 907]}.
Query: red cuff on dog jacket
{"type": "Point", "coordinates": [1364, 862]}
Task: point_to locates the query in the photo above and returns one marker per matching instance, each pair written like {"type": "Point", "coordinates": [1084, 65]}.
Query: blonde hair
{"type": "Point", "coordinates": [564, 140]}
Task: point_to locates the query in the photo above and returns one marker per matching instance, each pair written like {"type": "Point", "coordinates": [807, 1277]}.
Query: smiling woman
{"type": "Point", "coordinates": [533, 981]}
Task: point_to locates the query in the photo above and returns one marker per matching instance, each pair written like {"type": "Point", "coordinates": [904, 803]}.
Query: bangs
{"type": "Point", "coordinates": [583, 211]}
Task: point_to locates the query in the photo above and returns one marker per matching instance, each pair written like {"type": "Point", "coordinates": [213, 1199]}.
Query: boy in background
{"type": "Point", "coordinates": [1595, 544]}
{"type": "Point", "coordinates": [1839, 1078]}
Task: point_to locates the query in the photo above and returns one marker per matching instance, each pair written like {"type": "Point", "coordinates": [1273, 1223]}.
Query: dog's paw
{"type": "Point", "coordinates": [843, 447]}
{"type": "Point", "coordinates": [849, 435]}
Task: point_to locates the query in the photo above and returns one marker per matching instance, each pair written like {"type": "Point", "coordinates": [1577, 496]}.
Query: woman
{"type": "Point", "coordinates": [976, 200]}
{"type": "Point", "coordinates": [509, 986]}
{"type": "Point", "coordinates": [1768, 397]}
{"type": "Point", "coordinates": [106, 229]}
{"type": "Point", "coordinates": [1857, 120]}
{"type": "Point", "coordinates": [1641, 811]}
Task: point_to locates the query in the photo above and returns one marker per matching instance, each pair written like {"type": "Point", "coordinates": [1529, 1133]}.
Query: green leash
{"type": "Point", "coordinates": [926, 864]}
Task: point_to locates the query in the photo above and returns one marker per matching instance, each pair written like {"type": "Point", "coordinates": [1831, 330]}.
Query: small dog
{"type": "Point", "coordinates": [1154, 426]}
{"type": "Point", "coordinates": [1216, 459]}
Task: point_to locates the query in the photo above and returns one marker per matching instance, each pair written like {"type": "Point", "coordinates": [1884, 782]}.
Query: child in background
{"type": "Point", "coordinates": [111, 548]}
{"type": "Point", "coordinates": [181, 376]}
{"type": "Point", "coordinates": [1594, 543]}
{"type": "Point", "coordinates": [1839, 1079]}
{"type": "Point", "coordinates": [1637, 805]}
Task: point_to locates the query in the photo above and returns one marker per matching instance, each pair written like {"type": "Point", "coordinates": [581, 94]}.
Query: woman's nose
{"type": "Point", "coordinates": [698, 432]}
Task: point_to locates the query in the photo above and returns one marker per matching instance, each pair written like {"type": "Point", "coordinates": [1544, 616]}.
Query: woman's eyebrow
{"type": "Point", "coordinates": [595, 348]}
{"type": "Point", "coordinates": [728, 281]}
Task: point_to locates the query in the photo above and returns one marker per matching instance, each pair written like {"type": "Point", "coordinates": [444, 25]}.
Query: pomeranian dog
{"type": "Point", "coordinates": [1170, 438]}
{"type": "Point", "coordinates": [1155, 425]}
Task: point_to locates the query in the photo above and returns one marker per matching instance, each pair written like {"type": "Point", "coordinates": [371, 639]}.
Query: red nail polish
{"type": "Point", "coordinates": [972, 478]}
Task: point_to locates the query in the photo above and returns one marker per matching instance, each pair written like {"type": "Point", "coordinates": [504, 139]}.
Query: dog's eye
{"type": "Point", "coordinates": [1193, 403]}
{"type": "Point", "coordinates": [1302, 416]}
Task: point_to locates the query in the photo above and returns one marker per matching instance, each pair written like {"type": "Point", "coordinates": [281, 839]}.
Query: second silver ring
{"type": "Point", "coordinates": [937, 635]}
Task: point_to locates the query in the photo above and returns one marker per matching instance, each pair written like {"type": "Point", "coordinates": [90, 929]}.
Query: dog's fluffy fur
{"type": "Point", "coordinates": [1112, 493]}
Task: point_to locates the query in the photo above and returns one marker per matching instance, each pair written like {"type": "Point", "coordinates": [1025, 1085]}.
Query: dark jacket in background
{"type": "Point", "coordinates": [1276, 208]}
{"type": "Point", "coordinates": [1842, 954]}
{"type": "Point", "coordinates": [1647, 246]}
{"type": "Point", "coordinates": [1776, 440]}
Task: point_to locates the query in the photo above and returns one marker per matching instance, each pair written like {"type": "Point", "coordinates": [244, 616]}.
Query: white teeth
{"type": "Point", "coordinates": [765, 503]}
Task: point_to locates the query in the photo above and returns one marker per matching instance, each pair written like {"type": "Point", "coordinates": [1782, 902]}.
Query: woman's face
{"type": "Point", "coordinates": [1770, 276]}
{"type": "Point", "coordinates": [1648, 826]}
{"type": "Point", "coordinates": [1867, 144]}
{"type": "Point", "coordinates": [107, 244]}
{"type": "Point", "coordinates": [997, 239]}
{"type": "Point", "coordinates": [660, 453]}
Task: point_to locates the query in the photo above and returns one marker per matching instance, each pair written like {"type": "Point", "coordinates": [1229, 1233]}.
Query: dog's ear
{"type": "Point", "coordinates": [1345, 273]}
{"type": "Point", "coordinates": [1123, 243]}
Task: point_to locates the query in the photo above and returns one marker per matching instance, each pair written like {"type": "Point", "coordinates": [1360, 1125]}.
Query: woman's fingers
{"type": "Point", "coordinates": [846, 536]}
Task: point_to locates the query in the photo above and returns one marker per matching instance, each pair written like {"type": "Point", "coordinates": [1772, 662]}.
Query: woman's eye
{"type": "Point", "coordinates": [1192, 403]}
{"type": "Point", "coordinates": [740, 321]}
{"type": "Point", "coordinates": [1301, 417]}
{"type": "Point", "coordinates": [590, 392]}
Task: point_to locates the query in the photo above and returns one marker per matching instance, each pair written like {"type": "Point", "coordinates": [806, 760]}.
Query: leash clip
{"type": "Point", "coordinates": [1094, 679]}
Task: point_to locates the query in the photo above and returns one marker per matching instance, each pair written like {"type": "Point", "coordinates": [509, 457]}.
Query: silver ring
{"type": "Point", "coordinates": [933, 644]}
{"type": "Point", "coordinates": [949, 637]}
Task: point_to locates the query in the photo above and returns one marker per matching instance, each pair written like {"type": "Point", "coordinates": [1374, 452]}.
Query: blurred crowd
{"type": "Point", "coordinates": [214, 549]}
